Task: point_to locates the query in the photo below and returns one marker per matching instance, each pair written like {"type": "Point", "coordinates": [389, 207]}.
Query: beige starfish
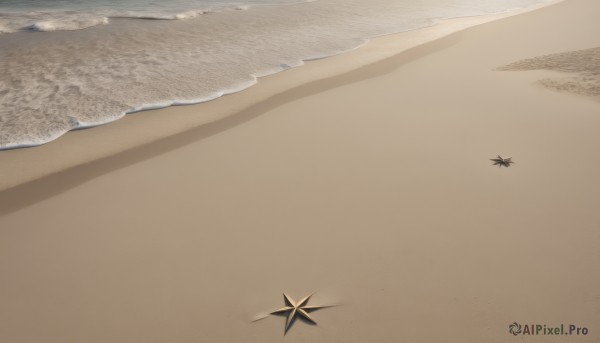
{"type": "Point", "coordinates": [296, 309]}
{"type": "Point", "coordinates": [502, 161]}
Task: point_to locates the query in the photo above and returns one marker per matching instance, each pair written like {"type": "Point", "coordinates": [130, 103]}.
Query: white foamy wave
{"type": "Point", "coordinates": [66, 21]}
{"type": "Point", "coordinates": [81, 18]}
{"type": "Point", "coordinates": [188, 14]}
{"type": "Point", "coordinates": [73, 24]}
{"type": "Point", "coordinates": [128, 66]}
{"type": "Point", "coordinates": [158, 15]}
{"type": "Point", "coordinates": [49, 21]}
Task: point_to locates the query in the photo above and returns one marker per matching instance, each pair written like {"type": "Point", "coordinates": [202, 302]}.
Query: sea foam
{"type": "Point", "coordinates": [57, 81]}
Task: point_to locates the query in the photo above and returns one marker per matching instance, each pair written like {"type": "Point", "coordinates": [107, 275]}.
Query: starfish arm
{"type": "Point", "coordinates": [283, 309]}
{"type": "Point", "coordinates": [289, 319]}
{"type": "Point", "coordinates": [306, 315]}
{"type": "Point", "coordinates": [288, 300]}
{"type": "Point", "coordinates": [304, 300]}
{"type": "Point", "coordinates": [261, 317]}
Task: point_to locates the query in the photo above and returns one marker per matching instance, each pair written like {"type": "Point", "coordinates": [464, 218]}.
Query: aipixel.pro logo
{"type": "Point", "coordinates": [547, 330]}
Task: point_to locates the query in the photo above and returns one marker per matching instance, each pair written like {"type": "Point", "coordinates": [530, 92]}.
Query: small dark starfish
{"type": "Point", "coordinates": [296, 309]}
{"type": "Point", "coordinates": [502, 161]}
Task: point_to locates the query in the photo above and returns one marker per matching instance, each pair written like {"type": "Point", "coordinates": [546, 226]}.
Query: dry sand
{"type": "Point", "coordinates": [373, 188]}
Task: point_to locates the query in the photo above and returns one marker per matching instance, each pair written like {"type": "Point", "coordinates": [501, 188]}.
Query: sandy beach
{"type": "Point", "coordinates": [365, 177]}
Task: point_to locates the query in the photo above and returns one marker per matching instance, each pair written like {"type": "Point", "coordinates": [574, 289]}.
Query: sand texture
{"type": "Point", "coordinates": [582, 68]}
{"type": "Point", "coordinates": [373, 188]}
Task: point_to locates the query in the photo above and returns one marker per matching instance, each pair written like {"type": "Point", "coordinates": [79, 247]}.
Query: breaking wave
{"type": "Point", "coordinates": [50, 19]}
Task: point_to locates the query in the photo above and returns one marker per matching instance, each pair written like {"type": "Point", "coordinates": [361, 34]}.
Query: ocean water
{"type": "Point", "coordinates": [69, 64]}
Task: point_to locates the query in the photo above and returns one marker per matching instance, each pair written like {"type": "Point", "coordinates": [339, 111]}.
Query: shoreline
{"type": "Point", "coordinates": [24, 165]}
{"type": "Point", "coordinates": [373, 188]}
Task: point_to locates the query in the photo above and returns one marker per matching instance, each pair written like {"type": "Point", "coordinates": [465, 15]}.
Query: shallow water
{"type": "Point", "coordinates": [80, 75]}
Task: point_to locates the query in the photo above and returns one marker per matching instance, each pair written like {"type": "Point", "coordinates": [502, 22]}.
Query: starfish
{"type": "Point", "coordinates": [502, 161]}
{"type": "Point", "coordinates": [296, 309]}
